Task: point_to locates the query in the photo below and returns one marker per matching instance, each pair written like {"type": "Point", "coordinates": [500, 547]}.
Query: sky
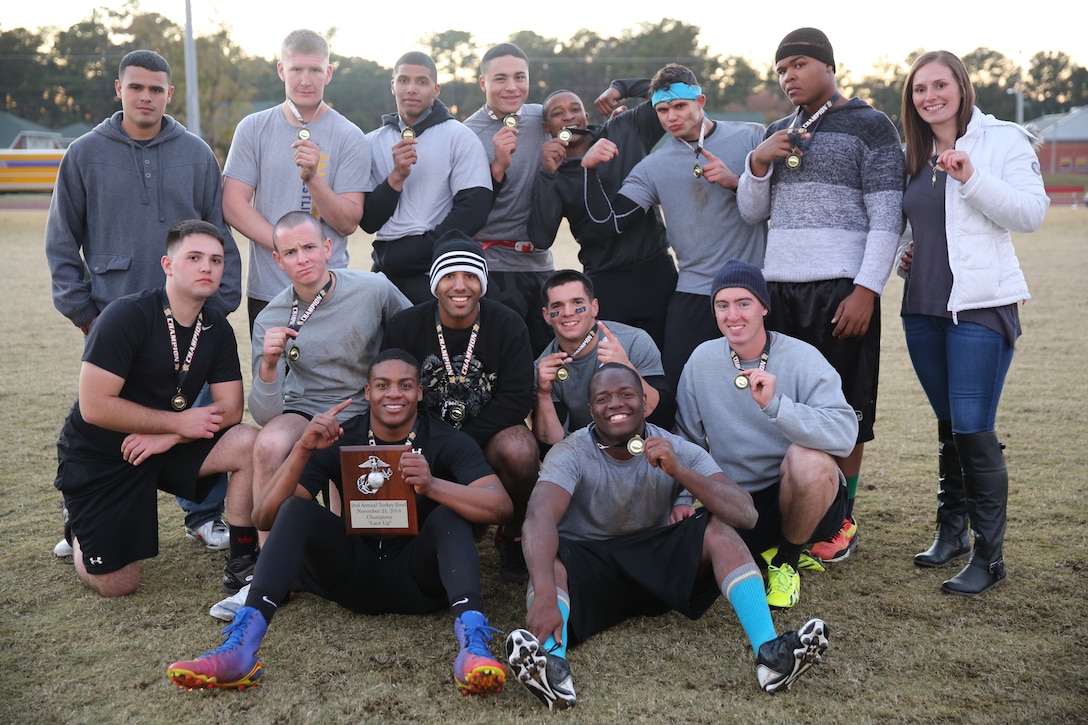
{"type": "Point", "coordinates": [860, 34]}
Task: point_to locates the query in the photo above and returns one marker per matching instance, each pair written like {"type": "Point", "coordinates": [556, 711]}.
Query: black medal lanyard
{"type": "Point", "coordinates": [297, 321]}
{"type": "Point", "coordinates": [793, 135]}
{"type": "Point", "coordinates": [179, 402]}
{"type": "Point", "coordinates": [741, 381]}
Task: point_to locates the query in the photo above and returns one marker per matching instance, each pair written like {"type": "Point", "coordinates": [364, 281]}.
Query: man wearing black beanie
{"type": "Point", "coordinates": [829, 178]}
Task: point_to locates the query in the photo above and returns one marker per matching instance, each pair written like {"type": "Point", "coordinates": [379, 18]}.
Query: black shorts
{"type": "Point", "coordinates": [689, 322]}
{"type": "Point", "coordinates": [804, 310]}
{"type": "Point", "coordinates": [520, 291]}
{"type": "Point", "coordinates": [767, 533]}
{"type": "Point", "coordinates": [637, 295]}
{"type": "Point", "coordinates": [646, 573]}
{"type": "Point", "coordinates": [113, 505]}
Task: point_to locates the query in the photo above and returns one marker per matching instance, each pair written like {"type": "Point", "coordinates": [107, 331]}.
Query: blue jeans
{"type": "Point", "coordinates": [961, 368]}
{"type": "Point", "coordinates": [211, 508]}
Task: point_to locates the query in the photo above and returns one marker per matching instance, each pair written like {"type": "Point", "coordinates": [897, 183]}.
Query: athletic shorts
{"type": "Point", "coordinates": [804, 310]}
{"type": "Point", "coordinates": [646, 573]}
{"type": "Point", "coordinates": [520, 291]}
{"type": "Point", "coordinates": [113, 505]}
{"type": "Point", "coordinates": [767, 533]}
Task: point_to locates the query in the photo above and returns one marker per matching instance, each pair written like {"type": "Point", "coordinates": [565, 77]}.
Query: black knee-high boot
{"type": "Point", "coordinates": [986, 484]}
{"type": "Point", "coordinates": [951, 540]}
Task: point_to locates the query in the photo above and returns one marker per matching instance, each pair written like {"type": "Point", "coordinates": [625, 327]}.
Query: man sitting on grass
{"type": "Point", "coordinates": [371, 574]}
{"type": "Point", "coordinates": [611, 534]}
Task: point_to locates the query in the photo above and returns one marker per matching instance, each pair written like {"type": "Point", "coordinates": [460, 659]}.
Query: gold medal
{"type": "Point", "coordinates": [565, 135]}
{"type": "Point", "coordinates": [741, 381]}
{"type": "Point", "coordinates": [635, 446]}
{"type": "Point", "coordinates": [793, 161]}
{"type": "Point", "coordinates": [562, 373]}
{"type": "Point", "coordinates": [698, 171]}
{"type": "Point", "coordinates": [294, 354]}
{"type": "Point", "coordinates": [304, 134]}
{"type": "Point", "coordinates": [510, 120]}
{"type": "Point", "coordinates": [408, 132]}
{"type": "Point", "coordinates": [179, 402]}
{"type": "Point", "coordinates": [455, 412]}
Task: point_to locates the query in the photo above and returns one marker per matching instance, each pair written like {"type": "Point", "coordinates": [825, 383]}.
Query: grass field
{"type": "Point", "coordinates": [900, 650]}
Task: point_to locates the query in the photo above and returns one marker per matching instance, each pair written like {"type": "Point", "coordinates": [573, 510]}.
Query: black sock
{"type": "Point", "coordinates": [466, 603]}
{"type": "Point", "coordinates": [263, 603]}
{"type": "Point", "coordinates": [788, 554]}
{"type": "Point", "coordinates": [243, 540]}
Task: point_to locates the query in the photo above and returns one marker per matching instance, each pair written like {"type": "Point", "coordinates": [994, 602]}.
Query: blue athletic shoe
{"type": "Point", "coordinates": [475, 670]}
{"type": "Point", "coordinates": [235, 665]}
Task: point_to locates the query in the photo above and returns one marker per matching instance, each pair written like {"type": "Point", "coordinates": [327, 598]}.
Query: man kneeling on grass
{"type": "Point", "coordinates": [371, 574]}
{"type": "Point", "coordinates": [611, 533]}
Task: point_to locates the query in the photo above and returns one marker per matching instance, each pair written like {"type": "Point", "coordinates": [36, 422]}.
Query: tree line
{"type": "Point", "coordinates": [56, 77]}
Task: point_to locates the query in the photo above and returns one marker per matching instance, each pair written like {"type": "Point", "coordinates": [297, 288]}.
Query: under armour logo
{"type": "Point", "coordinates": [96, 560]}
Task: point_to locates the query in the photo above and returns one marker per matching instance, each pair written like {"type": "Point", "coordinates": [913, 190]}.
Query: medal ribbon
{"type": "Point", "coordinates": [586, 341]}
{"type": "Point", "coordinates": [181, 369]}
{"type": "Point", "coordinates": [298, 115]}
{"type": "Point", "coordinates": [453, 378]}
{"type": "Point", "coordinates": [296, 321]}
{"type": "Point", "coordinates": [407, 441]}
{"type": "Point", "coordinates": [796, 131]}
{"type": "Point", "coordinates": [762, 358]}
{"type": "Point", "coordinates": [698, 147]}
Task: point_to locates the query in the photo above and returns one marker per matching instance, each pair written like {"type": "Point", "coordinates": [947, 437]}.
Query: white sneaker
{"type": "Point", "coordinates": [63, 549]}
{"type": "Point", "coordinates": [226, 609]}
{"type": "Point", "coordinates": [213, 534]}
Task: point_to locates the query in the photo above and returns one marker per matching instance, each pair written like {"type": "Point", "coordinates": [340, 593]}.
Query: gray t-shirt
{"type": "Point", "coordinates": [509, 218]}
{"type": "Point", "coordinates": [611, 498]}
{"type": "Point", "coordinates": [574, 391]}
{"type": "Point", "coordinates": [261, 156]}
{"type": "Point", "coordinates": [702, 221]}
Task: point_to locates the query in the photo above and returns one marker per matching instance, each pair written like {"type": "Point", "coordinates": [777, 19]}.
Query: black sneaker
{"type": "Point", "coordinates": [783, 659]}
{"type": "Point", "coordinates": [238, 572]}
{"type": "Point", "coordinates": [512, 567]}
{"type": "Point", "coordinates": [545, 675]}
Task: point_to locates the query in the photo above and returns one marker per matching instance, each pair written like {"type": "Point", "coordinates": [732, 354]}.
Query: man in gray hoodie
{"type": "Point", "coordinates": [119, 190]}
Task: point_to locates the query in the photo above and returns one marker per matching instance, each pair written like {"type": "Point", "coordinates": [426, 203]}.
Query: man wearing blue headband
{"type": "Point", "coordinates": [692, 179]}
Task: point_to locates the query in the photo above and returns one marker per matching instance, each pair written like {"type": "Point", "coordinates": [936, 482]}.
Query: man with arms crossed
{"type": "Point", "coordinates": [298, 156]}
{"type": "Point", "coordinates": [611, 534]}
{"type": "Point", "coordinates": [429, 176]}
{"type": "Point", "coordinates": [134, 429]}
{"type": "Point", "coordinates": [437, 568]}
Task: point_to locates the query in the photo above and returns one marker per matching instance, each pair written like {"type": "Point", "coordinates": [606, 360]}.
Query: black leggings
{"type": "Point", "coordinates": [406, 575]}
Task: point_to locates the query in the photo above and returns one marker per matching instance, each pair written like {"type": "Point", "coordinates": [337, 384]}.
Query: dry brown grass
{"type": "Point", "coordinates": [900, 650]}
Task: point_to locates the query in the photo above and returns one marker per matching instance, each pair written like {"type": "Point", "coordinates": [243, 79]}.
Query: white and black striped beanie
{"type": "Point", "coordinates": [457, 252]}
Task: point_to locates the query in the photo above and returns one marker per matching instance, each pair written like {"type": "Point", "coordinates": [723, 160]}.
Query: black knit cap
{"type": "Point", "coordinates": [736, 273]}
{"type": "Point", "coordinates": [457, 252]}
{"type": "Point", "coordinates": [806, 41]}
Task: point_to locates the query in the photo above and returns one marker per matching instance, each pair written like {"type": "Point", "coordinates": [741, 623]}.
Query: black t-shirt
{"type": "Point", "coordinates": [451, 454]}
{"type": "Point", "coordinates": [131, 340]}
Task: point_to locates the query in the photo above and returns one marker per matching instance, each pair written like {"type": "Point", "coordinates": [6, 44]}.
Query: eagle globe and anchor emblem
{"type": "Point", "coordinates": [378, 472]}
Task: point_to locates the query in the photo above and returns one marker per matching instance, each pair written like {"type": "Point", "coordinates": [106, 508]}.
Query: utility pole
{"type": "Point", "coordinates": [192, 87]}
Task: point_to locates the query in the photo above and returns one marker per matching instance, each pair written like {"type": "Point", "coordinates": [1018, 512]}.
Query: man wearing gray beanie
{"type": "Point", "coordinates": [829, 178]}
{"type": "Point", "coordinates": [477, 374]}
{"type": "Point", "coordinates": [771, 411]}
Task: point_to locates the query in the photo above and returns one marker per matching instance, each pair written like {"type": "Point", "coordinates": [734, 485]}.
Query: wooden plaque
{"type": "Point", "coordinates": [376, 498]}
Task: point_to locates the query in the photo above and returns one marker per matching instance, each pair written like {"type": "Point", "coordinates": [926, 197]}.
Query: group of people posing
{"type": "Point", "coordinates": [644, 434]}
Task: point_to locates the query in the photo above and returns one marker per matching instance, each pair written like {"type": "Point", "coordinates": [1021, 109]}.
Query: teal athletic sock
{"type": "Point", "coordinates": [559, 649]}
{"type": "Point", "coordinates": [851, 494]}
{"type": "Point", "coordinates": [743, 587]}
